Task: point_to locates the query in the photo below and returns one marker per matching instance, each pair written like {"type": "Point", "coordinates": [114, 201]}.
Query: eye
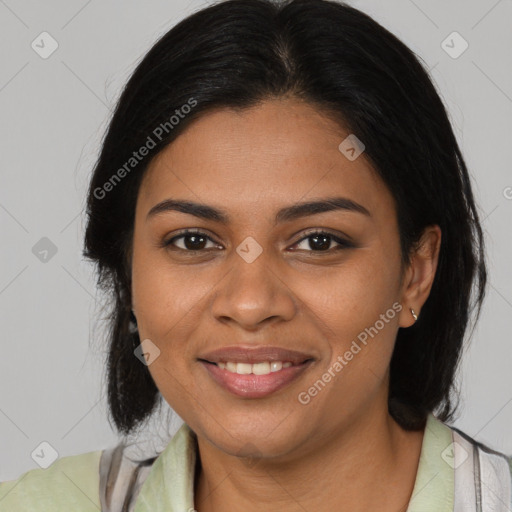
{"type": "Point", "coordinates": [193, 240]}
{"type": "Point", "coordinates": [320, 241]}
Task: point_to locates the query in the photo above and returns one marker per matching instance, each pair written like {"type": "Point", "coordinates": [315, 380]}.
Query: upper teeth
{"type": "Point", "coordinates": [256, 368]}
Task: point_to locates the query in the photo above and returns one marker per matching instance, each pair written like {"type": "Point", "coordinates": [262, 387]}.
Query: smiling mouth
{"type": "Point", "coordinates": [254, 380]}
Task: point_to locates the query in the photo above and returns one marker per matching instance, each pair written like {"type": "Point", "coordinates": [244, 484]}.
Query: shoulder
{"type": "Point", "coordinates": [483, 475]}
{"type": "Point", "coordinates": [70, 483]}
{"type": "Point", "coordinates": [483, 451]}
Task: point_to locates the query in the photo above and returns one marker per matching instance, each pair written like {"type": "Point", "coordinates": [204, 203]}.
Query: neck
{"type": "Point", "coordinates": [370, 464]}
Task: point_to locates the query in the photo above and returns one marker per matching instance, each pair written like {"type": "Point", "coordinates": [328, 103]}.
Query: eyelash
{"type": "Point", "coordinates": [343, 244]}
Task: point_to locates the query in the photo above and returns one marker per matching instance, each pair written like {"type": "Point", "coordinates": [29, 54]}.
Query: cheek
{"type": "Point", "coordinates": [167, 314]}
{"type": "Point", "coordinates": [165, 294]}
{"type": "Point", "coordinates": [360, 316]}
{"type": "Point", "coordinates": [171, 302]}
{"type": "Point", "coordinates": [356, 294]}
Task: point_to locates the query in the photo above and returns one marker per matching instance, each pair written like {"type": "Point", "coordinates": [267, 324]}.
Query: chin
{"type": "Point", "coordinates": [256, 439]}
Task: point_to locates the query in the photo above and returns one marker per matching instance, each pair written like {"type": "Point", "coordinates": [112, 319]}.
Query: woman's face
{"type": "Point", "coordinates": [254, 278]}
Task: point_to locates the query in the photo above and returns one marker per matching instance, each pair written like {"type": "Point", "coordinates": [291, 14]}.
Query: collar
{"type": "Point", "coordinates": [434, 488]}
{"type": "Point", "coordinates": [169, 486]}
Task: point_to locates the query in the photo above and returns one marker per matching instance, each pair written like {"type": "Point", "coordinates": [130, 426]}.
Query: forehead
{"type": "Point", "coordinates": [278, 152]}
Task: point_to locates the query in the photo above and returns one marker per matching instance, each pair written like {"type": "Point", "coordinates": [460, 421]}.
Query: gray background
{"type": "Point", "coordinates": [53, 115]}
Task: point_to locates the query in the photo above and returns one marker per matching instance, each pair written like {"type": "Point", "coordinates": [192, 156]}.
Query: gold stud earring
{"type": "Point", "coordinates": [414, 315]}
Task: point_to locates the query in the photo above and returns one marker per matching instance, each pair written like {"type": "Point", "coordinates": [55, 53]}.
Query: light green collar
{"type": "Point", "coordinates": [434, 488]}
{"type": "Point", "coordinates": [169, 486]}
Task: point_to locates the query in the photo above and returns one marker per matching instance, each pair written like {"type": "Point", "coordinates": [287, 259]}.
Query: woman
{"type": "Point", "coordinates": [285, 223]}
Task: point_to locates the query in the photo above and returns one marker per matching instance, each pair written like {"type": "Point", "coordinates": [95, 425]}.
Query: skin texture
{"type": "Point", "coordinates": [275, 451]}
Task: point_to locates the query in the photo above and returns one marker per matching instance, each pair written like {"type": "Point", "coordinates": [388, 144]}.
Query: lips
{"type": "Point", "coordinates": [253, 385]}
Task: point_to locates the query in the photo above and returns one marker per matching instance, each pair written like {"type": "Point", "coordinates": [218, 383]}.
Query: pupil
{"type": "Point", "coordinates": [324, 245]}
{"type": "Point", "coordinates": [191, 246]}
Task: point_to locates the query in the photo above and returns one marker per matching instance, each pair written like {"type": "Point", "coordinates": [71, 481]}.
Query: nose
{"type": "Point", "coordinates": [252, 294]}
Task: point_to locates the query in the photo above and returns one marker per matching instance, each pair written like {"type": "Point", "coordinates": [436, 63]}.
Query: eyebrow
{"type": "Point", "coordinates": [286, 214]}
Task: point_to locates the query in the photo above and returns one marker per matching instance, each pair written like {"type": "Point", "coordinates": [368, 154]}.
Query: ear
{"type": "Point", "coordinates": [419, 275]}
